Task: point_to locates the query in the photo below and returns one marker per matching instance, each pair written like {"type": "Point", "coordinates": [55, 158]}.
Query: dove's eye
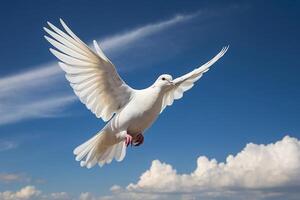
{"type": "Point", "coordinates": [163, 78]}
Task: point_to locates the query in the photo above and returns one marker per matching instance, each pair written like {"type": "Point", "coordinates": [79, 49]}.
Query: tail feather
{"type": "Point", "coordinates": [97, 150]}
{"type": "Point", "coordinates": [82, 150]}
{"type": "Point", "coordinates": [120, 151]}
{"type": "Point", "coordinates": [102, 158]}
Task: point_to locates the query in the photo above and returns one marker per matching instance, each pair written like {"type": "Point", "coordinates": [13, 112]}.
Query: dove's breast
{"type": "Point", "coordinates": [140, 113]}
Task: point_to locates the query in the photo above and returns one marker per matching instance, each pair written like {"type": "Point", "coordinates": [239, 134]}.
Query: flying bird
{"type": "Point", "coordinates": [127, 111]}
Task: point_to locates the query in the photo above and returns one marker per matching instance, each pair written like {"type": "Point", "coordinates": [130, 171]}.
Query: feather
{"type": "Point", "coordinates": [86, 71]}
{"type": "Point", "coordinates": [187, 81]}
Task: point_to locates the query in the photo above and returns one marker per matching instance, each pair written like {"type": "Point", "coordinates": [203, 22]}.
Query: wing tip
{"type": "Point", "coordinates": [53, 51]}
{"type": "Point", "coordinates": [225, 48]}
{"type": "Point", "coordinates": [62, 22]}
{"type": "Point", "coordinates": [95, 43]}
{"type": "Point", "coordinates": [222, 52]}
{"type": "Point", "coordinates": [46, 29]}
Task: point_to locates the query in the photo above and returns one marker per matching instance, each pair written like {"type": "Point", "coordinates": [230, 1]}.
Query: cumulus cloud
{"type": "Point", "coordinates": [26, 193]}
{"type": "Point", "coordinates": [58, 196]}
{"type": "Point", "coordinates": [258, 171]}
{"type": "Point", "coordinates": [87, 196]}
{"type": "Point", "coordinates": [30, 192]}
{"type": "Point", "coordinates": [256, 166]}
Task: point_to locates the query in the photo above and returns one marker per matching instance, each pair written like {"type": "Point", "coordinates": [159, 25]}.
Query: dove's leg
{"type": "Point", "coordinates": [138, 139]}
{"type": "Point", "coordinates": [124, 136]}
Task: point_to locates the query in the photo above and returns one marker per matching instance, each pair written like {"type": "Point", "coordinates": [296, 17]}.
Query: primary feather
{"type": "Point", "coordinates": [186, 82]}
{"type": "Point", "coordinates": [92, 76]}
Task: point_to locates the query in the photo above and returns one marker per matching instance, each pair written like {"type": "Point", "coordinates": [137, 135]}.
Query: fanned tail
{"type": "Point", "coordinates": [97, 150]}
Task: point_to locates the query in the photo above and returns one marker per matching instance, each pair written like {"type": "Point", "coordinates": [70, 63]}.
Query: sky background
{"type": "Point", "coordinates": [251, 95]}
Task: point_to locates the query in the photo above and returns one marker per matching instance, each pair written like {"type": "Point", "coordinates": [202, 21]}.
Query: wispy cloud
{"type": "Point", "coordinates": [34, 78]}
{"type": "Point", "coordinates": [37, 108]}
{"type": "Point", "coordinates": [6, 145]}
{"type": "Point", "coordinates": [121, 40]}
{"type": "Point", "coordinates": [13, 178]}
{"type": "Point", "coordinates": [34, 94]}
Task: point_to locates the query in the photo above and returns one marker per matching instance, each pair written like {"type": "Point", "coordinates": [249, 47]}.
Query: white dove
{"type": "Point", "coordinates": [129, 112]}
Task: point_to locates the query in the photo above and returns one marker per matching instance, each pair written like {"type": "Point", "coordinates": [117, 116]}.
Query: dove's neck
{"type": "Point", "coordinates": [156, 89]}
{"type": "Point", "coordinates": [159, 89]}
{"type": "Point", "coordinates": [156, 93]}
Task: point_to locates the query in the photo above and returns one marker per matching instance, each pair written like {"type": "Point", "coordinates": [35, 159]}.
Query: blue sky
{"type": "Point", "coordinates": [251, 95]}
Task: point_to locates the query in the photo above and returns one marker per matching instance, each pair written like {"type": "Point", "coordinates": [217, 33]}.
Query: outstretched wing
{"type": "Point", "coordinates": [92, 76]}
{"type": "Point", "coordinates": [186, 82]}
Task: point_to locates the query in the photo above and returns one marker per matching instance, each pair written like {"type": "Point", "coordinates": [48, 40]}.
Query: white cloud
{"type": "Point", "coordinates": [121, 40]}
{"type": "Point", "coordinates": [30, 192]}
{"type": "Point", "coordinates": [256, 166]}
{"type": "Point", "coordinates": [13, 177]}
{"type": "Point", "coordinates": [257, 172]}
{"type": "Point", "coordinates": [34, 109]}
{"type": "Point", "coordinates": [32, 94]}
{"type": "Point", "coordinates": [58, 196]}
{"type": "Point", "coordinates": [7, 145]}
{"type": "Point", "coordinates": [35, 78]}
{"type": "Point", "coordinates": [26, 193]}
{"type": "Point", "coordinates": [9, 177]}
{"type": "Point", "coordinates": [86, 196]}
{"type": "Point", "coordinates": [35, 93]}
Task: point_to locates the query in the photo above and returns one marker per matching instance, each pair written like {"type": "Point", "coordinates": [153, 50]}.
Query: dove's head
{"type": "Point", "coordinates": [164, 80]}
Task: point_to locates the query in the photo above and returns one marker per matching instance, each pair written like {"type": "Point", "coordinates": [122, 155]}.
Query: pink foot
{"type": "Point", "coordinates": [128, 140]}
{"type": "Point", "coordinates": [138, 140]}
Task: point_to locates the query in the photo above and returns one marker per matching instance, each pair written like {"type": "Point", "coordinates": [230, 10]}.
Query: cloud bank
{"type": "Point", "coordinates": [257, 172]}
{"type": "Point", "coordinates": [255, 167]}
{"type": "Point", "coordinates": [35, 94]}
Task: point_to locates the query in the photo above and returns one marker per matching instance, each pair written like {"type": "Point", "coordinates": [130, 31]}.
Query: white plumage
{"type": "Point", "coordinates": [96, 82]}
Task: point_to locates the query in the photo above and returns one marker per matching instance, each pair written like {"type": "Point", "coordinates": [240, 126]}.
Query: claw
{"type": "Point", "coordinates": [128, 140]}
